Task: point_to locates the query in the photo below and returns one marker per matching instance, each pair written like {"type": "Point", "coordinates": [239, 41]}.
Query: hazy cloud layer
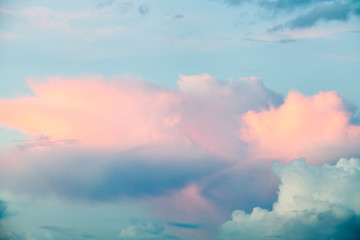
{"type": "Point", "coordinates": [313, 203]}
{"type": "Point", "coordinates": [100, 176]}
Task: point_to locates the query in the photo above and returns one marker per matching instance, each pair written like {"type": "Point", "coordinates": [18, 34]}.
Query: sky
{"type": "Point", "coordinates": [189, 120]}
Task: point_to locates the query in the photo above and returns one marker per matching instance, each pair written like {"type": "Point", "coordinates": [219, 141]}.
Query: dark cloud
{"type": "Point", "coordinates": [106, 177]}
{"type": "Point", "coordinates": [242, 187]}
{"type": "Point", "coordinates": [326, 12]}
{"type": "Point", "coordinates": [183, 225]}
{"type": "Point", "coordinates": [315, 11]}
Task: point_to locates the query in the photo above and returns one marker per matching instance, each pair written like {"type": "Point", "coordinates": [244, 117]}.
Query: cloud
{"type": "Point", "coordinates": [146, 230]}
{"type": "Point", "coordinates": [143, 9]}
{"type": "Point", "coordinates": [210, 109]}
{"type": "Point", "coordinates": [194, 153]}
{"type": "Point", "coordinates": [183, 225]}
{"type": "Point", "coordinates": [316, 127]}
{"type": "Point", "coordinates": [44, 141]}
{"type": "Point", "coordinates": [12, 236]}
{"type": "Point", "coordinates": [64, 233]}
{"type": "Point", "coordinates": [308, 12]}
{"type": "Point", "coordinates": [105, 3]}
{"type": "Point", "coordinates": [121, 6]}
{"type": "Point", "coordinates": [71, 174]}
{"type": "Point", "coordinates": [313, 203]}
{"type": "Point", "coordinates": [3, 207]}
{"type": "Point", "coordinates": [67, 23]}
{"type": "Point", "coordinates": [179, 16]}
{"type": "Point", "coordinates": [186, 205]}
{"type": "Point", "coordinates": [127, 113]}
{"type": "Point", "coordinates": [121, 114]}
{"type": "Point", "coordinates": [326, 12]}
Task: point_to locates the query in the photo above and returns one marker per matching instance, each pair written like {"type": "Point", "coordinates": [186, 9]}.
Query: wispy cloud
{"type": "Point", "coordinates": [325, 12]}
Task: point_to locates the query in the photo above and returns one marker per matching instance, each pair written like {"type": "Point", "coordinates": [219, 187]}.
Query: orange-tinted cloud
{"type": "Point", "coordinates": [315, 127]}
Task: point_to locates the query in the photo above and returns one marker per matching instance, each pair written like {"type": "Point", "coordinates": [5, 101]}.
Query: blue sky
{"type": "Point", "coordinates": [208, 80]}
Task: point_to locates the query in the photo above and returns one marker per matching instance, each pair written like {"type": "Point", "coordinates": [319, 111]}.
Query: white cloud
{"type": "Point", "coordinates": [313, 203]}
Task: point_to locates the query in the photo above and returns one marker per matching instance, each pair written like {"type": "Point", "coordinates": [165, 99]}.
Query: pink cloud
{"type": "Point", "coordinates": [211, 107]}
{"type": "Point", "coordinates": [127, 113]}
{"type": "Point", "coordinates": [189, 206]}
{"type": "Point", "coordinates": [185, 205]}
{"type": "Point", "coordinates": [121, 114]}
{"type": "Point", "coordinates": [315, 127]}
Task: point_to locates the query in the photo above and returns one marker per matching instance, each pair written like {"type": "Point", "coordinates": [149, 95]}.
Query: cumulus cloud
{"type": "Point", "coordinates": [204, 127]}
{"type": "Point", "coordinates": [313, 203]}
{"type": "Point", "coordinates": [120, 114]}
{"type": "Point", "coordinates": [184, 150]}
{"type": "Point", "coordinates": [126, 113]}
{"type": "Point", "coordinates": [316, 127]}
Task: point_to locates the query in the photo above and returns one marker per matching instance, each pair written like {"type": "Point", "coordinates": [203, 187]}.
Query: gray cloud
{"type": "Point", "coordinates": [106, 177]}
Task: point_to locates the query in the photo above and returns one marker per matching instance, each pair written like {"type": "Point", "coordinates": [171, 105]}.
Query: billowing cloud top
{"type": "Point", "coordinates": [313, 203]}
{"type": "Point", "coordinates": [129, 113]}
{"type": "Point", "coordinates": [185, 151]}
{"type": "Point", "coordinates": [315, 127]}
